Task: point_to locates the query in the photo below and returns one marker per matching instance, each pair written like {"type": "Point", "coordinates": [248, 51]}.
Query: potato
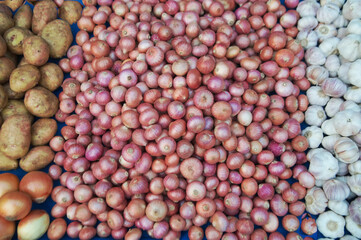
{"type": "Point", "coordinates": [23, 17]}
{"type": "Point", "coordinates": [59, 37]}
{"type": "Point", "coordinates": [24, 78]}
{"type": "Point", "coordinates": [12, 57]}
{"type": "Point", "coordinates": [7, 163]}
{"type": "Point", "coordinates": [14, 38]}
{"type": "Point", "coordinates": [13, 95]}
{"type": "Point", "coordinates": [37, 158]}
{"type": "Point", "coordinates": [36, 50]}
{"type": "Point", "coordinates": [3, 47]}
{"type": "Point", "coordinates": [13, 4]}
{"type": "Point", "coordinates": [43, 13]}
{"type": "Point", "coordinates": [42, 131]}
{"type": "Point", "coordinates": [41, 102]}
{"type": "Point", "coordinates": [6, 22]}
{"type": "Point", "coordinates": [15, 107]}
{"type": "Point", "coordinates": [5, 9]}
{"type": "Point", "coordinates": [70, 11]}
{"type": "Point", "coordinates": [15, 136]}
{"type": "Point", "coordinates": [22, 62]}
{"type": "Point", "coordinates": [51, 76]}
{"type": "Point", "coordinates": [3, 97]}
{"type": "Point", "coordinates": [6, 67]}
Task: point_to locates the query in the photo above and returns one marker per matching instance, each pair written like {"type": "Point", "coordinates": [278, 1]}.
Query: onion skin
{"type": "Point", "coordinates": [38, 185]}
{"type": "Point", "coordinates": [7, 229]}
{"type": "Point", "coordinates": [57, 229]}
{"type": "Point", "coordinates": [34, 225]}
{"type": "Point", "coordinates": [8, 183]}
{"type": "Point", "coordinates": [15, 205]}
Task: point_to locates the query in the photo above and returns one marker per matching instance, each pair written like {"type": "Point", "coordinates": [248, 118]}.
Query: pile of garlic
{"type": "Point", "coordinates": [330, 32]}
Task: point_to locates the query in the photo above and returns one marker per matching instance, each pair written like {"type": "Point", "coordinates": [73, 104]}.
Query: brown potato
{"type": "Point", "coordinates": [15, 107]}
{"type": "Point", "coordinates": [14, 38]}
{"type": "Point", "coordinates": [41, 102]}
{"type": "Point", "coordinates": [7, 163]}
{"type": "Point", "coordinates": [13, 4]}
{"type": "Point", "coordinates": [3, 47]}
{"type": "Point", "coordinates": [37, 158]}
{"type": "Point", "coordinates": [42, 131]}
{"type": "Point", "coordinates": [5, 9]}
{"type": "Point", "coordinates": [43, 13]}
{"type": "Point", "coordinates": [6, 22]}
{"type": "Point", "coordinates": [15, 136]}
{"type": "Point", "coordinates": [59, 37]}
{"type": "Point", "coordinates": [12, 57]}
{"type": "Point", "coordinates": [6, 67]}
{"type": "Point", "coordinates": [23, 17]}
{"type": "Point", "coordinates": [51, 76]}
{"type": "Point", "coordinates": [13, 95]}
{"type": "Point", "coordinates": [22, 62]}
{"type": "Point", "coordinates": [3, 97]}
{"type": "Point", "coordinates": [70, 11]}
{"type": "Point", "coordinates": [36, 50]}
{"type": "Point", "coordinates": [24, 78]}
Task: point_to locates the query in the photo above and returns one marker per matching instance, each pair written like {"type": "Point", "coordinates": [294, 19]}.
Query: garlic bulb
{"type": "Point", "coordinates": [353, 94]}
{"type": "Point", "coordinates": [350, 105]}
{"type": "Point", "coordinates": [307, 23]}
{"type": "Point", "coordinates": [353, 228]}
{"type": "Point", "coordinates": [329, 141]}
{"type": "Point", "coordinates": [331, 224]}
{"type": "Point", "coordinates": [316, 96]}
{"type": "Point", "coordinates": [316, 201]}
{"type": "Point", "coordinates": [351, 9]}
{"type": "Point", "coordinates": [325, 31]}
{"type": "Point", "coordinates": [315, 115]}
{"type": "Point", "coordinates": [329, 46]}
{"type": "Point", "coordinates": [308, 8]}
{"type": "Point", "coordinates": [314, 136]}
{"type": "Point", "coordinates": [316, 74]}
{"type": "Point", "coordinates": [334, 87]}
{"type": "Point", "coordinates": [347, 123]}
{"type": "Point", "coordinates": [314, 56]}
{"type": "Point", "coordinates": [354, 26]}
{"type": "Point", "coordinates": [332, 64]}
{"type": "Point", "coordinates": [328, 13]}
{"type": "Point", "coordinates": [354, 182]}
{"type": "Point", "coordinates": [355, 210]}
{"type": "Point", "coordinates": [328, 127]}
{"type": "Point", "coordinates": [343, 71]}
{"type": "Point", "coordinates": [357, 139]}
{"type": "Point", "coordinates": [340, 22]}
{"type": "Point", "coordinates": [336, 190]}
{"type": "Point", "coordinates": [342, 169]}
{"type": "Point", "coordinates": [339, 3]}
{"type": "Point", "coordinates": [339, 207]}
{"type": "Point", "coordinates": [347, 46]}
{"type": "Point", "coordinates": [333, 106]}
{"type": "Point", "coordinates": [341, 33]}
{"type": "Point", "coordinates": [346, 150]}
{"type": "Point", "coordinates": [353, 74]}
{"type": "Point", "coordinates": [355, 168]}
{"type": "Point", "coordinates": [308, 39]}
{"type": "Point", "coordinates": [323, 165]}
{"type": "Point", "coordinates": [348, 237]}
{"type": "Point", "coordinates": [319, 183]}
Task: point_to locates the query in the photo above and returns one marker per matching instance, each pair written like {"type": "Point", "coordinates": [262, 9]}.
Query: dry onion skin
{"type": "Point", "coordinates": [38, 185]}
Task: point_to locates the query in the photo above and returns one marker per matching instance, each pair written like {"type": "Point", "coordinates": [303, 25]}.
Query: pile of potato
{"type": "Point", "coordinates": [27, 81]}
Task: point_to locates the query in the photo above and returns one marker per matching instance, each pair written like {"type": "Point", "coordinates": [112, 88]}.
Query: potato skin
{"type": "Point", "coordinates": [24, 78]}
{"type": "Point", "coordinates": [43, 13]}
{"type": "Point", "coordinates": [70, 11]}
{"type": "Point", "coordinates": [7, 163]}
{"type": "Point", "coordinates": [6, 10]}
{"type": "Point", "coordinates": [6, 67]}
{"type": "Point", "coordinates": [15, 136]}
{"type": "Point", "coordinates": [37, 158]}
{"type": "Point", "coordinates": [41, 102]}
{"type": "Point", "coordinates": [14, 38]}
{"type": "Point", "coordinates": [6, 22]}
{"type": "Point", "coordinates": [23, 17]}
{"type": "Point", "coordinates": [3, 47]}
{"type": "Point", "coordinates": [15, 107]}
{"type": "Point", "coordinates": [42, 131]}
{"type": "Point", "coordinates": [36, 50]}
{"type": "Point", "coordinates": [14, 4]}
{"type": "Point", "coordinates": [51, 76]}
{"type": "Point", "coordinates": [59, 37]}
{"type": "Point", "coordinates": [3, 97]}
{"type": "Point", "coordinates": [13, 95]}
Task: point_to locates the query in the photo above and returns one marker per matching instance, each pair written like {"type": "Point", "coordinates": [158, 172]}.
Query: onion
{"type": "Point", "coordinates": [7, 228]}
{"type": "Point", "coordinates": [8, 183]}
{"type": "Point", "coordinates": [34, 225]}
{"type": "Point", "coordinates": [37, 184]}
{"type": "Point", "coordinates": [15, 205]}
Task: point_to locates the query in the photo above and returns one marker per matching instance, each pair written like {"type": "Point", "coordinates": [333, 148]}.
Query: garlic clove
{"type": "Point", "coordinates": [342, 169]}
{"type": "Point", "coordinates": [343, 72]}
{"type": "Point", "coordinates": [357, 139]}
{"type": "Point", "coordinates": [354, 182]}
{"type": "Point", "coordinates": [339, 207]}
{"type": "Point", "coordinates": [340, 22]}
{"type": "Point", "coordinates": [331, 224]}
{"type": "Point", "coordinates": [329, 141]}
{"type": "Point", "coordinates": [328, 127]}
{"type": "Point", "coordinates": [334, 87]}
{"type": "Point", "coordinates": [346, 150]}
{"type": "Point", "coordinates": [332, 64]}
{"type": "Point", "coordinates": [333, 106]}
{"type": "Point", "coordinates": [316, 74]}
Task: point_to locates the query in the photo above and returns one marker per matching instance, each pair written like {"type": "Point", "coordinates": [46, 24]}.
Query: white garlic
{"type": "Point", "coordinates": [342, 169]}
{"type": "Point", "coordinates": [323, 165]}
{"type": "Point", "coordinates": [328, 127]}
{"type": "Point", "coordinates": [307, 23]}
{"type": "Point", "coordinates": [328, 13]}
{"type": "Point", "coordinates": [319, 183]}
{"type": "Point", "coordinates": [314, 56]}
{"type": "Point", "coordinates": [353, 228]}
{"type": "Point", "coordinates": [316, 201]}
{"type": "Point", "coordinates": [340, 22]}
{"type": "Point", "coordinates": [353, 74]}
{"type": "Point", "coordinates": [355, 168]}
{"type": "Point", "coordinates": [315, 115]}
{"type": "Point", "coordinates": [329, 141]}
{"type": "Point", "coordinates": [354, 182]}
{"type": "Point", "coordinates": [331, 224]}
{"type": "Point", "coordinates": [308, 8]}
{"type": "Point", "coordinates": [354, 26]}
{"type": "Point", "coordinates": [343, 71]}
{"type": "Point", "coordinates": [348, 237]}
{"type": "Point", "coordinates": [346, 150]}
{"type": "Point", "coordinates": [333, 106]}
{"type": "Point", "coordinates": [316, 74]}
{"type": "Point", "coordinates": [329, 46]}
{"type": "Point", "coordinates": [316, 96]}
{"type": "Point", "coordinates": [332, 64]}
{"type": "Point", "coordinates": [339, 207]}
{"type": "Point", "coordinates": [347, 123]}
{"type": "Point", "coordinates": [307, 39]}
{"type": "Point", "coordinates": [341, 33]}
{"type": "Point", "coordinates": [353, 94]}
{"type": "Point", "coordinates": [350, 105]}
{"type": "Point", "coordinates": [336, 190]}
{"type": "Point", "coordinates": [357, 139]}
{"type": "Point", "coordinates": [325, 31]}
{"type": "Point", "coordinates": [334, 87]}
{"type": "Point", "coordinates": [314, 136]}
{"type": "Point", "coordinates": [351, 9]}
{"type": "Point", "coordinates": [348, 45]}
{"type": "Point", "coordinates": [339, 3]}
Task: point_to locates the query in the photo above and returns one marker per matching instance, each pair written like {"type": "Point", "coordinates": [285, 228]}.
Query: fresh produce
{"type": "Point", "coordinates": [37, 184]}
{"type": "Point", "coordinates": [7, 228]}
{"type": "Point", "coordinates": [34, 225]}
{"type": "Point", "coordinates": [15, 205]}
{"type": "Point", "coordinates": [41, 102]}
{"type": "Point", "coordinates": [37, 158]}
{"type": "Point", "coordinates": [7, 163]}
{"type": "Point", "coordinates": [6, 67]}
{"type": "Point", "coordinates": [36, 50]}
{"type": "Point", "coordinates": [23, 17]}
{"type": "Point", "coordinates": [42, 131]}
{"type": "Point", "coordinates": [43, 13]}
{"type": "Point", "coordinates": [15, 107]}
{"type": "Point", "coordinates": [51, 76]}
{"type": "Point", "coordinates": [6, 22]}
{"type": "Point", "coordinates": [70, 11]}
{"type": "Point", "coordinates": [14, 38]}
{"type": "Point", "coordinates": [57, 229]}
{"type": "Point", "coordinates": [24, 78]}
{"type": "Point", "coordinates": [8, 183]}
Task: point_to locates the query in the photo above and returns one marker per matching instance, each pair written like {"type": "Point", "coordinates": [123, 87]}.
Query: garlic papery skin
{"type": "Point", "coordinates": [353, 94]}
{"type": "Point", "coordinates": [325, 31]}
{"type": "Point", "coordinates": [315, 115]}
{"type": "Point", "coordinates": [316, 96]}
{"type": "Point", "coordinates": [328, 127]}
{"type": "Point", "coordinates": [342, 169]}
{"type": "Point", "coordinates": [323, 165]}
{"type": "Point", "coordinates": [350, 105]}
{"type": "Point", "coordinates": [347, 123]}
{"type": "Point", "coordinates": [354, 26]}
{"type": "Point", "coordinates": [346, 150]}
{"type": "Point", "coordinates": [336, 190]}
{"type": "Point", "coordinates": [329, 141]}
{"type": "Point", "coordinates": [314, 136]}
{"type": "Point", "coordinates": [355, 210]}
{"type": "Point", "coordinates": [357, 139]}
{"type": "Point", "coordinates": [355, 168]}
{"type": "Point", "coordinates": [343, 72]}
{"type": "Point", "coordinates": [316, 201]}
{"type": "Point", "coordinates": [332, 64]}
{"type": "Point", "coordinates": [329, 46]}
{"type": "Point", "coordinates": [333, 106]}
{"type": "Point", "coordinates": [331, 224]}
{"type": "Point", "coordinates": [314, 56]}
{"type": "Point", "coordinates": [354, 183]}
{"type": "Point", "coordinates": [334, 87]}
{"type": "Point", "coordinates": [308, 8]}
{"type": "Point", "coordinates": [353, 228]}
{"type": "Point", "coordinates": [307, 39]}
{"type": "Point", "coordinates": [339, 3]}
{"type": "Point", "coordinates": [339, 207]}
{"type": "Point", "coordinates": [348, 46]}
{"type": "Point", "coordinates": [307, 23]}
{"type": "Point", "coordinates": [353, 74]}
{"type": "Point", "coordinates": [319, 183]}
{"type": "Point", "coordinates": [348, 237]}
{"type": "Point", "coordinates": [351, 9]}
{"type": "Point", "coordinates": [328, 13]}
{"type": "Point", "coordinates": [340, 22]}
{"type": "Point", "coordinates": [341, 33]}
{"type": "Point", "coordinates": [316, 74]}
